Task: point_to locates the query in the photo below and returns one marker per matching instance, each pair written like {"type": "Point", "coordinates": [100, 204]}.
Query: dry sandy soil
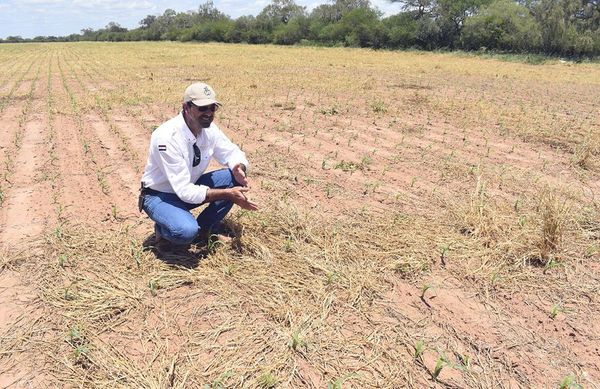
{"type": "Point", "coordinates": [427, 221]}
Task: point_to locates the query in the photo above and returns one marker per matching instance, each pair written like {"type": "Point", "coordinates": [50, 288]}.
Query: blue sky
{"type": "Point", "coordinates": [30, 18]}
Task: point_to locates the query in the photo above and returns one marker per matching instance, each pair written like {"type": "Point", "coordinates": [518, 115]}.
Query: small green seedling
{"type": "Point", "coordinates": [62, 259]}
{"type": "Point", "coordinates": [288, 246]}
{"type": "Point", "coordinates": [267, 380]}
{"type": "Point", "coordinates": [379, 107]}
{"type": "Point", "coordinates": [569, 383]}
{"type": "Point", "coordinates": [439, 365]}
{"type": "Point", "coordinates": [213, 243]}
{"type": "Point", "coordinates": [424, 289]}
{"type": "Point", "coordinates": [444, 252]}
{"type": "Point", "coordinates": [76, 340]}
{"type": "Point", "coordinates": [332, 277]}
{"type": "Point", "coordinates": [153, 285]}
{"type": "Point", "coordinates": [337, 384]}
{"type": "Point", "coordinates": [74, 335]}
{"type": "Point", "coordinates": [590, 251]}
{"type": "Point", "coordinates": [556, 309]}
{"type": "Point", "coordinates": [80, 351]}
{"type": "Point", "coordinates": [465, 362]}
{"type": "Point", "coordinates": [551, 264]}
{"type": "Point", "coordinates": [218, 383]}
{"type": "Point", "coordinates": [419, 349]}
{"type": "Point", "coordinates": [328, 192]}
{"type": "Point", "coordinates": [330, 111]}
{"type": "Point", "coordinates": [296, 341]}
{"type": "Point", "coordinates": [229, 270]}
{"type": "Point", "coordinates": [68, 295]}
{"type": "Point", "coordinates": [136, 252]}
{"type": "Point", "coordinates": [58, 232]}
{"type": "Point", "coordinates": [114, 211]}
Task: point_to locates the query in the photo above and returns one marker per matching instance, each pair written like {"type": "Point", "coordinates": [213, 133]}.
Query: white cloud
{"type": "Point", "coordinates": [113, 5]}
{"type": "Point", "coordinates": [40, 2]}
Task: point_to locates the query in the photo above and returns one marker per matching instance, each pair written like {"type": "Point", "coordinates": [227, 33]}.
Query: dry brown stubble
{"type": "Point", "coordinates": [443, 206]}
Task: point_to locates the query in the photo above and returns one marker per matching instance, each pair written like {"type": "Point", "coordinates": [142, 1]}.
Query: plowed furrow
{"type": "Point", "coordinates": [123, 179]}
{"type": "Point", "coordinates": [362, 182]}
{"type": "Point", "coordinates": [117, 181]}
{"type": "Point", "coordinates": [16, 90]}
{"type": "Point", "coordinates": [127, 135]}
{"type": "Point", "coordinates": [81, 178]}
{"type": "Point", "coordinates": [9, 72]}
{"type": "Point", "coordinates": [13, 120]}
{"type": "Point", "coordinates": [9, 120]}
{"type": "Point", "coordinates": [27, 206]}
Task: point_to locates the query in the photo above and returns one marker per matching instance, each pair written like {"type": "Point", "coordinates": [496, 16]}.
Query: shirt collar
{"type": "Point", "coordinates": [187, 133]}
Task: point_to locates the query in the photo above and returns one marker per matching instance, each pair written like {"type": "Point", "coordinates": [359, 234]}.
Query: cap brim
{"type": "Point", "coordinates": [203, 102]}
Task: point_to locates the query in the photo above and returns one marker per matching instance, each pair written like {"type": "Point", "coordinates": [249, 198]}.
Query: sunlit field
{"type": "Point", "coordinates": [426, 220]}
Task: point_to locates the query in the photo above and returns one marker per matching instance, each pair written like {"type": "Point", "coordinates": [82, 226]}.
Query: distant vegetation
{"type": "Point", "coordinates": [552, 27]}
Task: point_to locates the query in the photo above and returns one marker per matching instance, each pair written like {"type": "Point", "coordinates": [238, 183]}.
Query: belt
{"type": "Point", "coordinates": [146, 191]}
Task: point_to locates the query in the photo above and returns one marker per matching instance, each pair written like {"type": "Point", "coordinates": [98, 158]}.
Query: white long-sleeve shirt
{"type": "Point", "coordinates": [169, 166]}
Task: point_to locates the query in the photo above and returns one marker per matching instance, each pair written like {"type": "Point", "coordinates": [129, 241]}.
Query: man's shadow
{"type": "Point", "coordinates": [189, 256]}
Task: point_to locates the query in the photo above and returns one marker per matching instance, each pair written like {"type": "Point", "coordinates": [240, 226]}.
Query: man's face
{"type": "Point", "coordinates": [201, 116]}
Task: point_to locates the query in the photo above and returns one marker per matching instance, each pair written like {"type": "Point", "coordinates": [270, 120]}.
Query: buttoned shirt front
{"type": "Point", "coordinates": [170, 160]}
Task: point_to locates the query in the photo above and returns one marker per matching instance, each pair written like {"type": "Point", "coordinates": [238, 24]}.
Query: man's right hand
{"type": "Point", "coordinates": [238, 196]}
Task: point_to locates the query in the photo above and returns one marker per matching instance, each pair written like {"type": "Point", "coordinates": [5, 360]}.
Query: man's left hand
{"type": "Point", "coordinates": [239, 174]}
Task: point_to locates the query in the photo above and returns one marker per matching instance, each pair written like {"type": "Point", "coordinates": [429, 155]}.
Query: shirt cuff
{"type": "Point", "coordinates": [231, 165]}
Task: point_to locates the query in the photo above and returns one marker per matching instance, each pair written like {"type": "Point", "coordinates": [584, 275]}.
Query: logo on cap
{"type": "Point", "coordinates": [206, 91]}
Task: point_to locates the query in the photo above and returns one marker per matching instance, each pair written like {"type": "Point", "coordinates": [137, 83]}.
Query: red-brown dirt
{"type": "Point", "coordinates": [412, 149]}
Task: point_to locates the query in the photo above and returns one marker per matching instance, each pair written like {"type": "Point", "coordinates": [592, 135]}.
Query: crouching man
{"type": "Point", "coordinates": [175, 182]}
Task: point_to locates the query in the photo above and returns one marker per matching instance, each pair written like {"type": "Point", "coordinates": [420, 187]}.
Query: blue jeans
{"type": "Point", "coordinates": [172, 216]}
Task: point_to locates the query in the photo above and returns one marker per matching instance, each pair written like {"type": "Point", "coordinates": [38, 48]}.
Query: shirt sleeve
{"type": "Point", "coordinates": [174, 167]}
{"type": "Point", "coordinates": [227, 153]}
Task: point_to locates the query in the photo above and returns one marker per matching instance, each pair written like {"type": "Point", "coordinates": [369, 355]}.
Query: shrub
{"type": "Point", "coordinates": [502, 25]}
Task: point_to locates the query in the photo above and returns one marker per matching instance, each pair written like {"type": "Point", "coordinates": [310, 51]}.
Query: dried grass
{"type": "Point", "coordinates": [295, 302]}
{"type": "Point", "coordinates": [323, 288]}
{"type": "Point", "coordinates": [292, 300]}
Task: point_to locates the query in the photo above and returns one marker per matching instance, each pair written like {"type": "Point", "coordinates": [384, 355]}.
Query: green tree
{"type": "Point", "coordinates": [330, 13]}
{"type": "Point", "coordinates": [450, 16]}
{"type": "Point", "coordinates": [292, 32]}
{"type": "Point", "coordinates": [282, 11]}
{"type": "Point", "coordinates": [359, 27]}
{"type": "Point", "coordinates": [502, 25]}
{"type": "Point", "coordinates": [208, 12]}
{"type": "Point", "coordinates": [569, 27]}
{"type": "Point", "coordinates": [418, 8]}
{"type": "Point", "coordinates": [114, 27]}
{"type": "Point", "coordinates": [402, 30]}
{"type": "Point", "coordinates": [239, 28]}
{"type": "Point", "coordinates": [147, 21]}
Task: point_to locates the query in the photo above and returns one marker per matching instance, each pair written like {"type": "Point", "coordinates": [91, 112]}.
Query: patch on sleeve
{"type": "Point", "coordinates": [162, 147]}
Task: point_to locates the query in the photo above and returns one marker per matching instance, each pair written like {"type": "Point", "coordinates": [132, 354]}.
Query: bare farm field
{"type": "Point", "coordinates": [426, 221]}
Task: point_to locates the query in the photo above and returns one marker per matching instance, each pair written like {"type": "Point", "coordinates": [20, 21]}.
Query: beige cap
{"type": "Point", "coordinates": [200, 94]}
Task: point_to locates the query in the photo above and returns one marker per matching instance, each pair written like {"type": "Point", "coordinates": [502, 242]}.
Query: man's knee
{"type": "Point", "coordinates": [185, 233]}
{"type": "Point", "coordinates": [232, 179]}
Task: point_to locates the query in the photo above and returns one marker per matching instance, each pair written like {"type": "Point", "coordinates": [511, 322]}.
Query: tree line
{"type": "Point", "coordinates": [553, 27]}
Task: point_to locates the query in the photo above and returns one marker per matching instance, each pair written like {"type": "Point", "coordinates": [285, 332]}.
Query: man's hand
{"type": "Point", "coordinates": [240, 175]}
{"type": "Point", "coordinates": [237, 195]}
